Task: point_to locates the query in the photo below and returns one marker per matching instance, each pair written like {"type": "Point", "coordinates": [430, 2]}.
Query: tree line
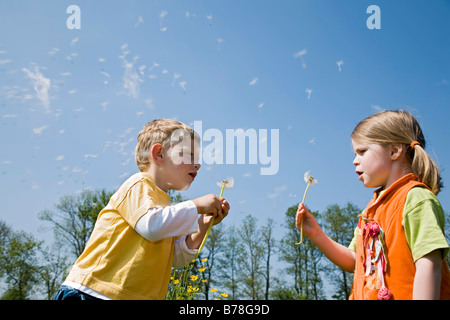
{"type": "Point", "coordinates": [246, 261]}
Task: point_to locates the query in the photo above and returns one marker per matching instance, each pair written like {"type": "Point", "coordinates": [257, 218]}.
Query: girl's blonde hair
{"type": "Point", "coordinates": [400, 127]}
{"type": "Point", "coordinates": [157, 131]}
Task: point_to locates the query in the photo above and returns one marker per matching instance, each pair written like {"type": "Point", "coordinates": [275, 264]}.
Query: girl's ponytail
{"type": "Point", "coordinates": [425, 168]}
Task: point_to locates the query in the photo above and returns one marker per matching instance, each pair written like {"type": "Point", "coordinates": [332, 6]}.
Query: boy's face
{"type": "Point", "coordinates": [181, 164]}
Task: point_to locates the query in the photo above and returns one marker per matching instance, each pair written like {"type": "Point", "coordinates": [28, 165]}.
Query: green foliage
{"type": "Point", "coordinates": [75, 218]}
{"type": "Point", "coordinates": [19, 264]}
{"type": "Point", "coordinates": [303, 261]}
{"type": "Point", "coordinates": [340, 223]}
{"type": "Point", "coordinates": [235, 263]}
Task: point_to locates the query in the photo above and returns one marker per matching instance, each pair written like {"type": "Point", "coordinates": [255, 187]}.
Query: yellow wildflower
{"type": "Point", "coordinates": [194, 278]}
{"type": "Point", "coordinates": [224, 294]}
{"type": "Point", "coordinates": [213, 289]}
{"type": "Point", "coordinates": [176, 281]}
{"type": "Point", "coordinates": [201, 269]}
{"type": "Point", "coordinates": [205, 259]}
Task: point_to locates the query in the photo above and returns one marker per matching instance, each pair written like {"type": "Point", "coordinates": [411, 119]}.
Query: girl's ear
{"type": "Point", "coordinates": [397, 150]}
{"type": "Point", "coordinates": [156, 153]}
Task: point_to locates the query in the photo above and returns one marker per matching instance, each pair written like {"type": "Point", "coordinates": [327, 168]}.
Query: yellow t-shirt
{"type": "Point", "coordinates": [119, 263]}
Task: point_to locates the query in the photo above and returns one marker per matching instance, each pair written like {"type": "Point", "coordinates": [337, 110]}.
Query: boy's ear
{"type": "Point", "coordinates": [396, 151]}
{"type": "Point", "coordinates": [156, 153]}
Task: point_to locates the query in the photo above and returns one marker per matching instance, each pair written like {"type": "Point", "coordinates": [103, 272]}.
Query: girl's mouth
{"type": "Point", "coordinates": [193, 175]}
{"type": "Point", "coordinates": [359, 173]}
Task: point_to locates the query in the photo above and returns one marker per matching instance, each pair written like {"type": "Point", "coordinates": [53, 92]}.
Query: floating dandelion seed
{"type": "Point", "coordinates": [310, 181]}
{"type": "Point", "coordinates": [224, 184]}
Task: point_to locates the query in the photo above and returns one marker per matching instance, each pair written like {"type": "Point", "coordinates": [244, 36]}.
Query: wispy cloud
{"type": "Point", "coordinates": [254, 81]}
{"type": "Point", "coordinates": [131, 79]}
{"type": "Point", "coordinates": [41, 86]}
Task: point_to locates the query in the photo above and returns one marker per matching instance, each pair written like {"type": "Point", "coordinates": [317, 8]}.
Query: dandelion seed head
{"type": "Point", "coordinates": [226, 184]}
{"type": "Point", "coordinates": [310, 179]}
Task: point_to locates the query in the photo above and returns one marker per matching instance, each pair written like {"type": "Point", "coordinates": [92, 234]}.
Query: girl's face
{"type": "Point", "coordinates": [373, 163]}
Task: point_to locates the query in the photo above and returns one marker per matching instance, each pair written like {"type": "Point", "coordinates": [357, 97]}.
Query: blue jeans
{"type": "Point", "coordinates": [68, 293]}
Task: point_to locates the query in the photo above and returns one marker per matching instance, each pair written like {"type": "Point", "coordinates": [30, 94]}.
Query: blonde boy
{"type": "Point", "coordinates": [138, 236]}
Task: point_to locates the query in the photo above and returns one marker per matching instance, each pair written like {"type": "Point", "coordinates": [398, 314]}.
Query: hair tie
{"type": "Point", "coordinates": [414, 143]}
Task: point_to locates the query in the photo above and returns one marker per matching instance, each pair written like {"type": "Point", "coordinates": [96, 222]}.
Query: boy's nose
{"type": "Point", "coordinates": [197, 166]}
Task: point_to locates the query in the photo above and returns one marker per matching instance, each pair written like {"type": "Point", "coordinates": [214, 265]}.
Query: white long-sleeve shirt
{"type": "Point", "coordinates": [176, 220]}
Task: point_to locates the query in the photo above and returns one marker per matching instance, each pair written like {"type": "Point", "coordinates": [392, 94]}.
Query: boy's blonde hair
{"type": "Point", "coordinates": [157, 131]}
{"type": "Point", "coordinates": [400, 127]}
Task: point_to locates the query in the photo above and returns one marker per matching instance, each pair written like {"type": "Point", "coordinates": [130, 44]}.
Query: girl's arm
{"type": "Point", "coordinates": [427, 281]}
{"type": "Point", "coordinates": [340, 255]}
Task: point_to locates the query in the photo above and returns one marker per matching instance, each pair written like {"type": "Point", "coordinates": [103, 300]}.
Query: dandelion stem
{"type": "Point", "coordinates": [301, 222]}
{"type": "Point", "coordinates": [209, 228]}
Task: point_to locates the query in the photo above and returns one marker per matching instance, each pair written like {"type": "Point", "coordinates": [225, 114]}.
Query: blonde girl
{"type": "Point", "coordinates": [399, 246]}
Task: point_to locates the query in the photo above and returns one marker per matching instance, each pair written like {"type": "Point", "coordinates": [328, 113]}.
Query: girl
{"type": "Point", "coordinates": [399, 246]}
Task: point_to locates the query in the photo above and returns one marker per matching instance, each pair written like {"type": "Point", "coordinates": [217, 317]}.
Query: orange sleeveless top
{"type": "Point", "coordinates": [395, 279]}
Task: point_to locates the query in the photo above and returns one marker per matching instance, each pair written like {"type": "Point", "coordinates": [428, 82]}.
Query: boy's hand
{"type": "Point", "coordinates": [208, 204]}
{"type": "Point", "coordinates": [211, 206]}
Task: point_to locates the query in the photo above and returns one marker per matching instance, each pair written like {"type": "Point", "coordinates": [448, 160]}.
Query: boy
{"type": "Point", "coordinates": [138, 236]}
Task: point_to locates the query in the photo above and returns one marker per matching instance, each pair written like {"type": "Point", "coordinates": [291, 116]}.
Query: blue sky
{"type": "Point", "coordinates": [73, 101]}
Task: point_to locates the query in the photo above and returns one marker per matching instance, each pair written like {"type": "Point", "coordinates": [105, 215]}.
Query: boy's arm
{"type": "Point", "coordinates": [182, 255]}
{"type": "Point", "coordinates": [427, 280]}
{"type": "Point", "coordinates": [170, 221]}
{"type": "Point", "coordinates": [194, 240]}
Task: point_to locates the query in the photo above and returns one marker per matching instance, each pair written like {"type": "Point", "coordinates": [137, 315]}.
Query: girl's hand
{"type": "Point", "coordinates": [310, 225]}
